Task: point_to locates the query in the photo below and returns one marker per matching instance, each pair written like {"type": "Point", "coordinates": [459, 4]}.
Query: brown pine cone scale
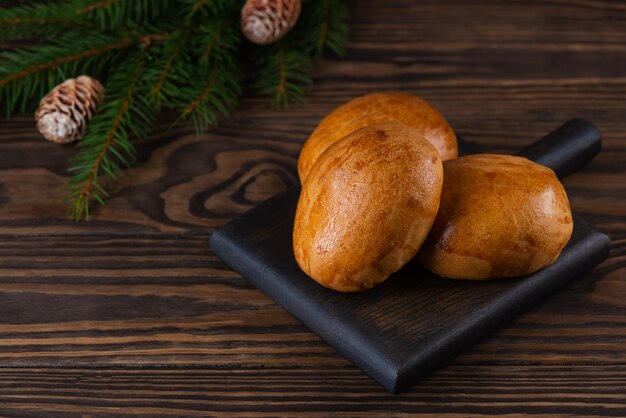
{"type": "Point", "coordinates": [64, 113]}
{"type": "Point", "coordinates": [266, 21]}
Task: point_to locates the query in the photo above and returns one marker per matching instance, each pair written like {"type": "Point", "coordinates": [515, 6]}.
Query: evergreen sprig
{"type": "Point", "coordinates": [106, 147]}
{"type": "Point", "coordinates": [186, 55]}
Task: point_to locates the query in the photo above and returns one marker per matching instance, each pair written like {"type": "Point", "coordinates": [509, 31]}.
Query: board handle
{"type": "Point", "coordinates": [567, 148]}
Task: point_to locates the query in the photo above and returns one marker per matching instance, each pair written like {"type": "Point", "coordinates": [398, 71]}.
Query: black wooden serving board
{"type": "Point", "coordinates": [415, 321]}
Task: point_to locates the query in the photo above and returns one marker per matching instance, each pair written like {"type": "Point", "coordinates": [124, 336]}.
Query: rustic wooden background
{"type": "Point", "coordinates": [132, 313]}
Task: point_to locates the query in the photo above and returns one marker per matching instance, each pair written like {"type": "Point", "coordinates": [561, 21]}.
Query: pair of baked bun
{"type": "Point", "coordinates": [381, 183]}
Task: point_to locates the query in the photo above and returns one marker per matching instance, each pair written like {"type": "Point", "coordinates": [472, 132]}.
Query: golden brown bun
{"type": "Point", "coordinates": [377, 108]}
{"type": "Point", "coordinates": [367, 206]}
{"type": "Point", "coordinates": [500, 216]}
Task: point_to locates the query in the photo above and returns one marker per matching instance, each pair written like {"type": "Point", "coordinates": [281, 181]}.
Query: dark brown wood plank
{"type": "Point", "coordinates": [151, 301]}
{"type": "Point", "coordinates": [313, 392]}
{"type": "Point", "coordinates": [139, 288]}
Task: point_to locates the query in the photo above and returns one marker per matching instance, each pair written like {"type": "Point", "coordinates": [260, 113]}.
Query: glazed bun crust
{"type": "Point", "coordinates": [367, 206]}
{"type": "Point", "coordinates": [378, 108]}
{"type": "Point", "coordinates": [500, 216]}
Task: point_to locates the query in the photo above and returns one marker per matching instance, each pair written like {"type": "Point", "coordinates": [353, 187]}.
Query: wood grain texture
{"type": "Point", "coordinates": [138, 289]}
{"type": "Point", "coordinates": [541, 390]}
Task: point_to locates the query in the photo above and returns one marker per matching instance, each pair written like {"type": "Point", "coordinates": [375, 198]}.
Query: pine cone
{"type": "Point", "coordinates": [63, 113]}
{"type": "Point", "coordinates": [266, 21]}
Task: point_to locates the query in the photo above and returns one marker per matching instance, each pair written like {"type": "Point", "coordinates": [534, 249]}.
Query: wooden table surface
{"type": "Point", "coordinates": [131, 313]}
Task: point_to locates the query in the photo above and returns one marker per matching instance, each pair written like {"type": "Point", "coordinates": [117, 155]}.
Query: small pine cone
{"type": "Point", "coordinates": [266, 21]}
{"type": "Point", "coordinates": [63, 113]}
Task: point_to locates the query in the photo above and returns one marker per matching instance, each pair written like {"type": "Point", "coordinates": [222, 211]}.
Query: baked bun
{"type": "Point", "coordinates": [377, 108]}
{"type": "Point", "coordinates": [367, 206]}
{"type": "Point", "coordinates": [500, 216]}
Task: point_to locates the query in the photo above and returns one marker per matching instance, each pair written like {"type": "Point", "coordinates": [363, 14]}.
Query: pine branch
{"type": "Point", "coordinates": [186, 55]}
{"type": "Point", "coordinates": [107, 146]}
{"type": "Point", "coordinates": [28, 74]}
{"type": "Point", "coordinates": [36, 19]}
{"type": "Point", "coordinates": [214, 37]}
{"type": "Point", "coordinates": [325, 26]}
{"type": "Point", "coordinates": [334, 30]}
{"type": "Point", "coordinates": [218, 64]}
{"type": "Point", "coordinates": [98, 5]}
{"type": "Point", "coordinates": [66, 59]}
{"type": "Point", "coordinates": [199, 4]}
{"type": "Point", "coordinates": [173, 50]}
{"type": "Point", "coordinates": [212, 7]}
{"type": "Point", "coordinates": [204, 93]}
{"type": "Point", "coordinates": [218, 95]}
{"type": "Point", "coordinates": [283, 69]}
{"type": "Point", "coordinates": [282, 73]}
{"type": "Point", "coordinates": [116, 13]}
{"type": "Point", "coordinates": [280, 95]}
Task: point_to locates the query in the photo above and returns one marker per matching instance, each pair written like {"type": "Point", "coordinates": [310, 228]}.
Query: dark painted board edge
{"type": "Point", "coordinates": [580, 258]}
{"type": "Point", "coordinates": [379, 361]}
{"type": "Point", "coordinates": [345, 338]}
